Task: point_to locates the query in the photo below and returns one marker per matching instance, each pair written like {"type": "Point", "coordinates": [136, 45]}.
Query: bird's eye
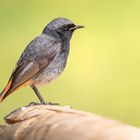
{"type": "Point", "coordinates": [65, 27]}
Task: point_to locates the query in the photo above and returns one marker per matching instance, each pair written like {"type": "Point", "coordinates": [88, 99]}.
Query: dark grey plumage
{"type": "Point", "coordinates": [44, 58]}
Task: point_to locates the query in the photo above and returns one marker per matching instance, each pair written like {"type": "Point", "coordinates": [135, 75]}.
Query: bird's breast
{"type": "Point", "coordinates": [53, 70]}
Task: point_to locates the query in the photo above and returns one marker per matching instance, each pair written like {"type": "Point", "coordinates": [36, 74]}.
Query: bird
{"type": "Point", "coordinates": [44, 59]}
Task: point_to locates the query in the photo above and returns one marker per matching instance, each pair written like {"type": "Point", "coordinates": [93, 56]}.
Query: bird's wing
{"type": "Point", "coordinates": [36, 57]}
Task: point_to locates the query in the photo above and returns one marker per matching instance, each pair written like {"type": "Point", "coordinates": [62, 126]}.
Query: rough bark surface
{"type": "Point", "coordinates": [45, 122]}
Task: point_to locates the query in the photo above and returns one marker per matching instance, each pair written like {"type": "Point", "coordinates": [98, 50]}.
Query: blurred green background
{"type": "Point", "coordinates": [103, 70]}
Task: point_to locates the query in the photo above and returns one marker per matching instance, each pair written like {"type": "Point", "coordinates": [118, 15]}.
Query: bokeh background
{"type": "Point", "coordinates": [103, 70]}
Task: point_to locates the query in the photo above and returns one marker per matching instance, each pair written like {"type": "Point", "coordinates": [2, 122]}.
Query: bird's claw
{"type": "Point", "coordinates": [50, 103]}
{"type": "Point", "coordinates": [45, 103]}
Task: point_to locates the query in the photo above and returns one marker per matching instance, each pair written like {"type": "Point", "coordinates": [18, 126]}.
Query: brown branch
{"type": "Point", "coordinates": [45, 122]}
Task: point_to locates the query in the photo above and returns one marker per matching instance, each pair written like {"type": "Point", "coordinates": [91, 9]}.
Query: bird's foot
{"type": "Point", "coordinates": [50, 103]}
{"type": "Point", "coordinates": [45, 103]}
{"type": "Point", "coordinates": [34, 103]}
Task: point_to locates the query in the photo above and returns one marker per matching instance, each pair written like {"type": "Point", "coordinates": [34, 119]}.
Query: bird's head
{"type": "Point", "coordinates": [63, 27]}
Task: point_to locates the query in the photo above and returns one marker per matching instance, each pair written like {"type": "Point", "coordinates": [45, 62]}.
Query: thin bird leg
{"type": "Point", "coordinates": [38, 94]}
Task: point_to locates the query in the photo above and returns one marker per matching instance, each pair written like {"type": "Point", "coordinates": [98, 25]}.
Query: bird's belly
{"type": "Point", "coordinates": [45, 78]}
{"type": "Point", "coordinates": [54, 69]}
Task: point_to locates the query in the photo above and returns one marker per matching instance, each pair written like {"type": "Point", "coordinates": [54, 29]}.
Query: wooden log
{"type": "Point", "coordinates": [46, 122]}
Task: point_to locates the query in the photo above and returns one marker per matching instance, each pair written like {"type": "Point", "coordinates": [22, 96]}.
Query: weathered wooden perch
{"type": "Point", "coordinates": [44, 122]}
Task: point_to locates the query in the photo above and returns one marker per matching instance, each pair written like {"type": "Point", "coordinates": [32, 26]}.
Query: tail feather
{"type": "Point", "coordinates": [3, 95]}
{"type": "Point", "coordinates": [6, 91]}
{"type": "Point", "coordinates": [10, 87]}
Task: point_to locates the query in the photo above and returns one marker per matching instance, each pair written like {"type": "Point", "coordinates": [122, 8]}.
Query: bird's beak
{"type": "Point", "coordinates": [79, 26]}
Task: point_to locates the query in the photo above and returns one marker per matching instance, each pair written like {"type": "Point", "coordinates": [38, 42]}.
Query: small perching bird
{"type": "Point", "coordinates": [44, 59]}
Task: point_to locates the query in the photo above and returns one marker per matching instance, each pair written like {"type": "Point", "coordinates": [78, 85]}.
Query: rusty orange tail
{"type": "Point", "coordinates": [6, 91]}
{"type": "Point", "coordinates": [10, 87]}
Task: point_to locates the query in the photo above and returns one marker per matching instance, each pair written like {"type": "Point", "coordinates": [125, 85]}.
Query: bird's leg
{"type": "Point", "coordinates": [38, 94]}
{"type": "Point", "coordinates": [40, 97]}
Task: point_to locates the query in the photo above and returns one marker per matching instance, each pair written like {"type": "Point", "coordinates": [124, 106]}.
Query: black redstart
{"type": "Point", "coordinates": [44, 59]}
